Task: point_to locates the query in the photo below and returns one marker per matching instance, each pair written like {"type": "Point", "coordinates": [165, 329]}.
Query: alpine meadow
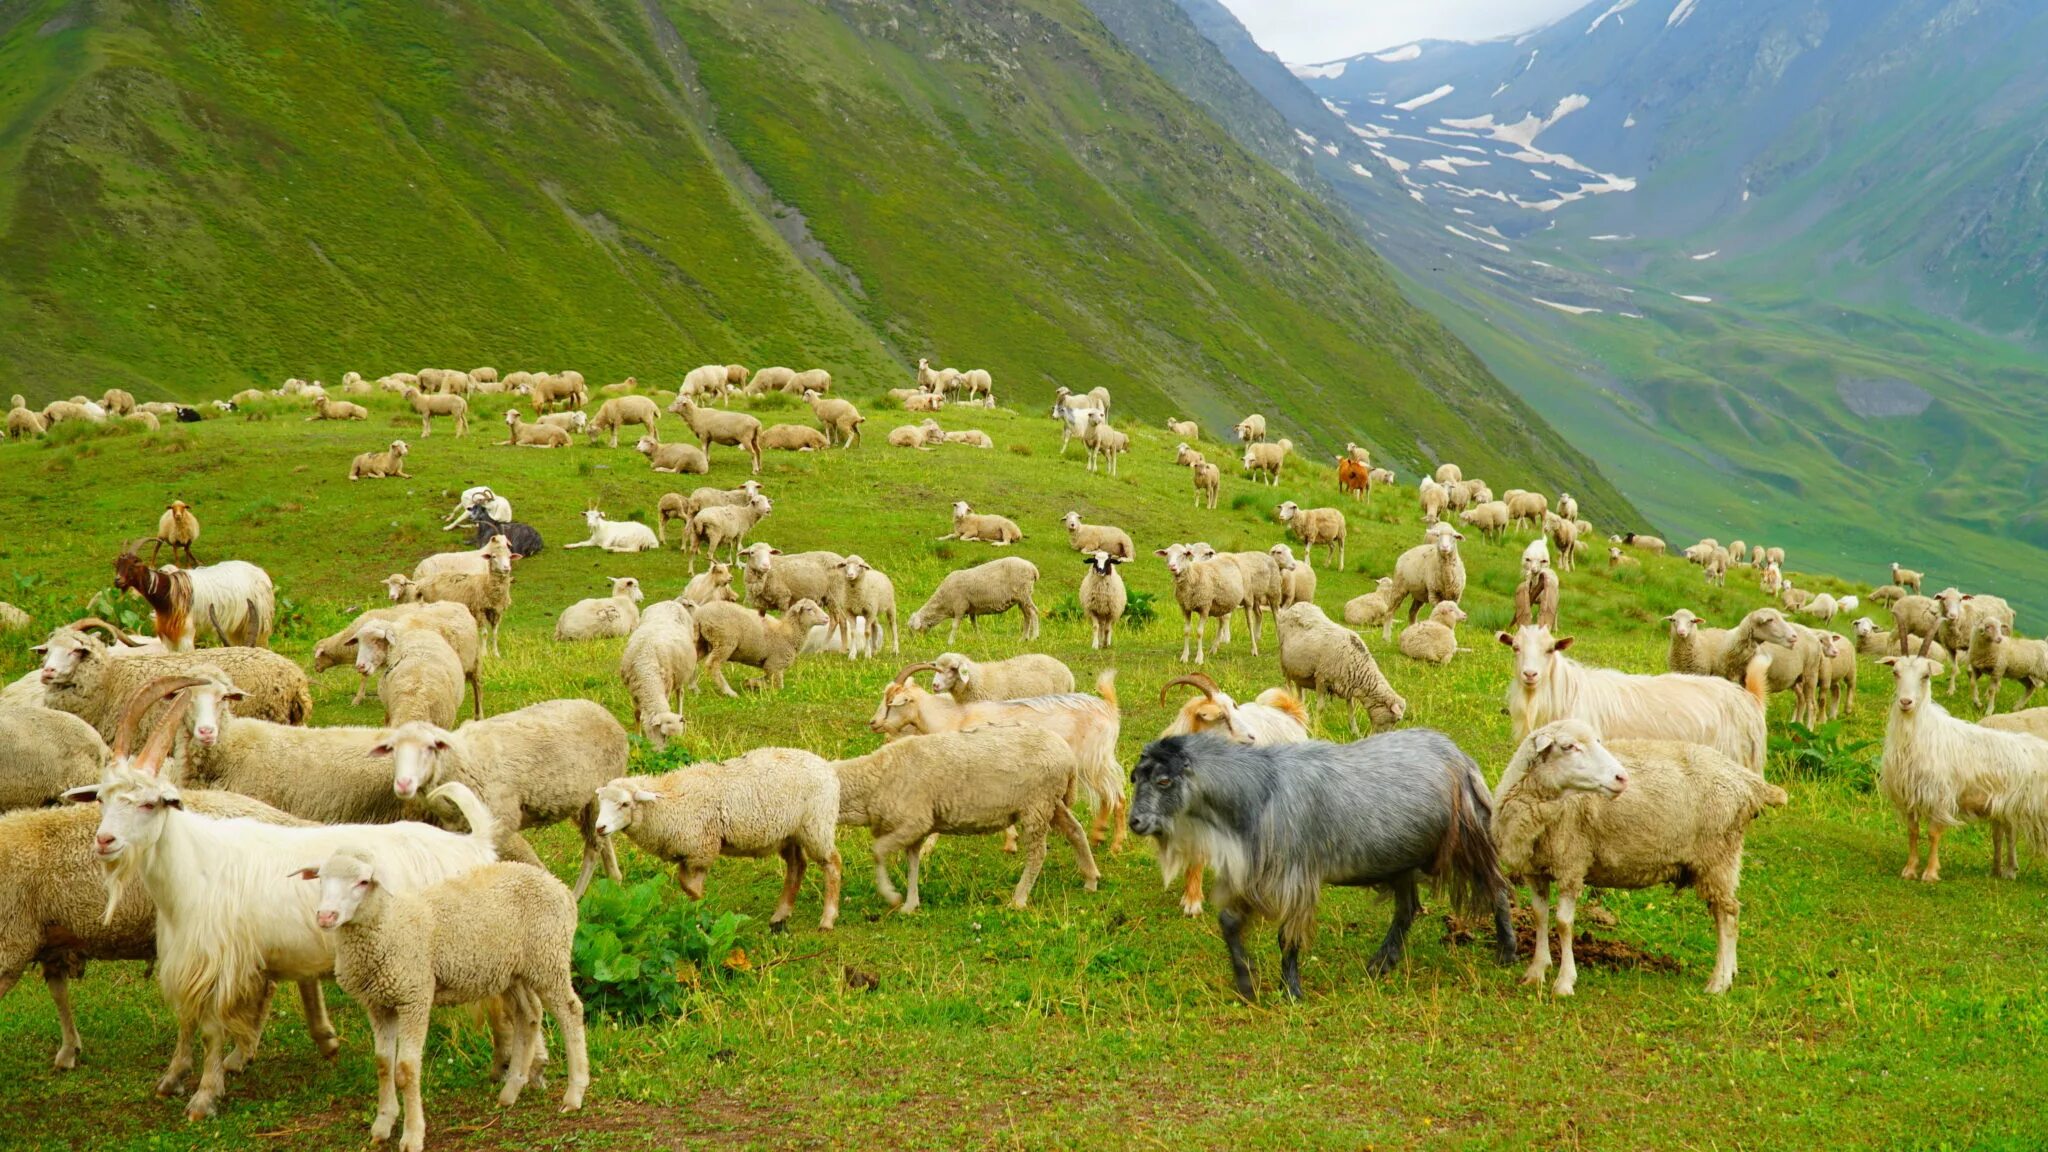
{"type": "Point", "coordinates": [1038, 257]}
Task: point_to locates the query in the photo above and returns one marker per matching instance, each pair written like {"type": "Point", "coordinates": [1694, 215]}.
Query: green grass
{"type": "Point", "coordinates": [1865, 1006]}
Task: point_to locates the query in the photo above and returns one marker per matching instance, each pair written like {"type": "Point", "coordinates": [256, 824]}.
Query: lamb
{"type": "Point", "coordinates": [989, 589]}
{"type": "Point", "coordinates": [1203, 589]}
{"type": "Point", "coordinates": [963, 783]}
{"type": "Point", "coordinates": [1490, 518]}
{"type": "Point", "coordinates": [791, 438]}
{"type": "Point", "coordinates": [1102, 598]}
{"type": "Point", "coordinates": [1941, 771]}
{"type": "Point", "coordinates": [750, 636]}
{"type": "Point", "coordinates": [1208, 482]}
{"type": "Point", "coordinates": [487, 594]}
{"type": "Point", "coordinates": [970, 681]}
{"type": "Point", "coordinates": [13, 619]}
{"type": "Point", "coordinates": [530, 768]}
{"type": "Point", "coordinates": [1574, 811]}
{"type": "Point", "coordinates": [1766, 654]}
{"type": "Point", "coordinates": [1696, 650]}
{"type": "Point", "coordinates": [378, 465]}
{"type": "Point", "coordinates": [1276, 717]}
{"type": "Point", "coordinates": [1651, 544]}
{"type": "Point", "coordinates": [713, 427]}
{"type": "Point", "coordinates": [500, 931]}
{"type": "Point", "coordinates": [1252, 428]}
{"type": "Point", "coordinates": [659, 662]}
{"type": "Point", "coordinates": [596, 619]}
{"type": "Point", "coordinates": [776, 581]}
{"type": "Point", "coordinates": [1297, 579]}
{"type": "Point", "coordinates": [973, 437]}
{"type": "Point", "coordinates": [714, 583]}
{"type": "Point", "coordinates": [1104, 441]}
{"type": "Point", "coordinates": [81, 675]}
{"type": "Point", "coordinates": [616, 535]}
{"type": "Point", "coordinates": [1375, 607]}
{"type": "Point", "coordinates": [1184, 429]}
{"type": "Point", "coordinates": [972, 526]}
{"type": "Point", "coordinates": [477, 561]}
{"type": "Point", "coordinates": [24, 422]}
{"type": "Point", "coordinates": [1324, 657]}
{"type": "Point", "coordinates": [325, 409]}
{"type": "Point", "coordinates": [429, 407]}
{"type": "Point", "coordinates": [622, 410]}
{"type": "Point", "coordinates": [521, 435]}
{"type": "Point", "coordinates": [1548, 686]}
{"type": "Point", "coordinates": [2024, 660]}
{"type": "Point", "coordinates": [48, 752]}
{"type": "Point", "coordinates": [1435, 498]}
{"type": "Point", "coordinates": [422, 674]}
{"type": "Point", "coordinates": [1435, 640]}
{"type": "Point", "coordinates": [1089, 538]}
{"type": "Point", "coordinates": [724, 524]}
{"type": "Point", "coordinates": [1837, 675]}
{"type": "Point", "coordinates": [452, 622]}
{"type": "Point", "coordinates": [859, 600]}
{"type": "Point", "coordinates": [1429, 572]}
{"type": "Point", "coordinates": [1907, 578]}
{"type": "Point", "coordinates": [570, 422]}
{"type": "Point", "coordinates": [1313, 526]}
{"type": "Point", "coordinates": [1267, 458]}
{"type": "Point", "coordinates": [923, 402]}
{"type": "Point", "coordinates": [234, 599]}
{"type": "Point", "coordinates": [841, 420]}
{"type": "Point", "coordinates": [769, 802]}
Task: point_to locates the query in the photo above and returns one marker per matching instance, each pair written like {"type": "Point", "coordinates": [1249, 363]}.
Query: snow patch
{"type": "Point", "coordinates": [1430, 97]}
{"type": "Point", "coordinates": [1360, 169]}
{"type": "Point", "coordinates": [1630, 315]}
{"type": "Point", "coordinates": [1694, 299]}
{"type": "Point", "coordinates": [1541, 264]}
{"type": "Point", "coordinates": [1406, 53]}
{"type": "Point", "coordinates": [1464, 211]}
{"type": "Point", "coordinates": [1630, 122]}
{"type": "Point", "coordinates": [1395, 162]}
{"type": "Point", "coordinates": [1524, 131]}
{"type": "Point", "coordinates": [1319, 71]}
{"type": "Point", "coordinates": [1680, 13]}
{"type": "Point", "coordinates": [1334, 108]}
{"type": "Point", "coordinates": [1572, 309]}
{"type": "Point", "coordinates": [1330, 148]}
{"type": "Point", "coordinates": [1497, 91]}
{"type": "Point", "coordinates": [1745, 195]}
{"type": "Point", "coordinates": [1495, 271]}
{"type": "Point", "coordinates": [1539, 173]}
{"type": "Point", "coordinates": [1417, 193]}
{"type": "Point", "coordinates": [1449, 165]}
{"type": "Point", "coordinates": [1619, 7]}
{"type": "Point", "coordinates": [1610, 236]}
{"type": "Point", "coordinates": [1707, 255]}
{"type": "Point", "coordinates": [1463, 235]}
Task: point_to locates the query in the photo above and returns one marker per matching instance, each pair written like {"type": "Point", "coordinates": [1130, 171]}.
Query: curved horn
{"type": "Point", "coordinates": [151, 759]}
{"type": "Point", "coordinates": [912, 670]}
{"type": "Point", "coordinates": [1196, 680]}
{"type": "Point", "coordinates": [94, 623]}
{"type": "Point", "coordinates": [139, 705]}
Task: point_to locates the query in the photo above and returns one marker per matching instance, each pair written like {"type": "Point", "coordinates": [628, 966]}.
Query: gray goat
{"type": "Point", "coordinates": [1280, 821]}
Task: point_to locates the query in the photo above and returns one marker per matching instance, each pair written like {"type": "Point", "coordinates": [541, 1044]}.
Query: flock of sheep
{"type": "Point", "coordinates": [245, 847]}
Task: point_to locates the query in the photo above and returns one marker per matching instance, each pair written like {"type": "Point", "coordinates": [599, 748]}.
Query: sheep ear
{"type": "Point", "coordinates": [1888, 661]}
{"type": "Point", "coordinates": [1505, 638]}
{"type": "Point", "coordinates": [303, 874]}
{"type": "Point", "coordinates": [383, 749]}
{"type": "Point", "coordinates": [44, 649]}
{"type": "Point", "coordinates": [1562, 643]}
{"type": "Point", "coordinates": [1542, 742]}
{"type": "Point", "coordinates": [643, 796]}
{"type": "Point", "coordinates": [83, 794]}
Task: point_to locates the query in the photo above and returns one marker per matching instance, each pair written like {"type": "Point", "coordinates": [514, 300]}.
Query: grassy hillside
{"type": "Point", "coordinates": [1864, 1003]}
{"type": "Point", "coordinates": [194, 199]}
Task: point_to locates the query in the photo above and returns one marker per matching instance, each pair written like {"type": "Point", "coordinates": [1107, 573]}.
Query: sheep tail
{"type": "Point", "coordinates": [1105, 687]}
{"type": "Point", "coordinates": [1756, 680]}
{"type": "Point", "coordinates": [1467, 866]}
{"type": "Point", "coordinates": [482, 825]}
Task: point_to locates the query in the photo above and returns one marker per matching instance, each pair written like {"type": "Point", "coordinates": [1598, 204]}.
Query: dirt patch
{"type": "Point", "coordinates": [1881, 396]}
{"type": "Point", "coordinates": [1588, 950]}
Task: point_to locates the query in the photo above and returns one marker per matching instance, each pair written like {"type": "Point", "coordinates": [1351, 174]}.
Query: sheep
{"type": "Point", "coordinates": [521, 435]}
{"type": "Point", "coordinates": [1537, 595]}
{"type": "Point", "coordinates": [1183, 429]}
{"type": "Point", "coordinates": [808, 380]}
{"type": "Point", "coordinates": [325, 409]}
{"type": "Point", "coordinates": [1772, 582]}
{"type": "Point", "coordinates": [1907, 578]}
{"type": "Point", "coordinates": [775, 581]}
{"type": "Point", "coordinates": [840, 419]}
{"type": "Point", "coordinates": [676, 506]}
{"type": "Point", "coordinates": [1715, 571]}
{"type": "Point", "coordinates": [724, 524]}
{"type": "Point", "coordinates": [1961, 616]}
{"type": "Point", "coordinates": [1267, 458]}
{"type": "Point", "coordinates": [1297, 579]}
{"type": "Point", "coordinates": [81, 675]}
{"type": "Point", "coordinates": [1429, 572]}
{"type": "Point", "coordinates": [1280, 821]}
{"type": "Point", "coordinates": [1940, 771]}
{"type": "Point", "coordinates": [1096, 398]}
{"type": "Point", "coordinates": [1527, 508]}
{"type": "Point", "coordinates": [1874, 643]}
{"type": "Point", "coordinates": [2024, 660]}
{"type": "Point", "coordinates": [429, 407]}
{"type": "Point", "coordinates": [1435, 640]}
{"type": "Point", "coordinates": [1104, 441]}
{"type": "Point", "coordinates": [976, 382]}
{"type": "Point", "coordinates": [487, 594]}
{"type": "Point", "coordinates": [917, 436]}
{"type": "Point", "coordinates": [769, 380]}
{"type": "Point", "coordinates": [619, 411]}
{"type": "Point", "coordinates": [1574, 811]}
{"type": "Point", "coordinates": [1323, 657]}
{"type": "Point", "coordinates": [792, 438]}
{"type": "Point", "coordinates": [659, 662]}
{"type": "Point", "coordinates": [2032, 721]}
{"type": "Point", "coordinates": [1203, 589]}
{"type": "Point", "coordinates": [530, 768]}
{"type": "Point", "coordinates": [48, 752]}
{"type": "Point", "coordinates": [769, 802]}
{"type": "Point", "coordinates": [1375, 607]}
{"type": "Point", "coordinates": [422, 674]}
{"type": "Point", "coordinates": [1090, 538]}
{"type": "Point", "coordinates": [570, 422]}
{"type": "Point", "coordinates": [499, 507]}
{"type": "Point", "coordinates": [713, 427]}
{"type": "Point", "coordinates": [452, 622]}
{"type": "Point", "coordinates": [1915, 618]}
{"type": "Point", "coordinates": [1548, 685]}
{"type": "Point", "coordinates": [1837, 675]}
{"type": "Point", "coordinates": [924, 402]}
{"type": "Point", "coordinates": [714, 583]}
{"type": "Point", "coordinates": [973, 437]}
{"type": "Point", "coordinates": [751, 636]}
{"type": "Point", "coordinates": [970, 681]}
{"type": "Point", "coordinates": [1353, 477]}
{"type": "Point", "coordinates": [1766, 654]}
{"type": "Point", "coordinates": [1435, 499]}
{"type": "Point", "coordinates": [1564, 534]}
{"type": "Point", "coordinates": [58, 411]}
{"type": "Point", "coordinates": [989, 589]}
{"type": "Point", "coordinates": [1775, 557]}
{"type": "Point", "coordinates": [1313, 526]}
{"type": "Point", "coordinates": [1651, 544]}
{"type": "Point", "coordinates": [13, 619]}
{"type": "Point", "coordinates": [858, 601]}
{"type": "Point", "coordinates": [1251, 429]}
{"type": "Point", "coordinates": [1886, 594]}
{"type": "Point", "coordinates": [616, 535]}
{"type": "Point", "coordinates": [378, 465]}
{"type": "Point", "coordinates": [968, 525]}
{"type": "Point", "coordinates": [1102, 598]}
{"type": "Point", "coordinates": [1757, 555]}
{"type": "Point", "coordinates": [599, 618]}
{"type": "Point", "coordinates": [1696, 650]}
{"type": "Point", "coordinates": [1569, 508]}
{"type": "Point", "coordinates": [24, 422]}
{"type": "Point", "coordinates": [499, 931]}
{"type": "Point", "coordinates": [566, 388]}
{"type": "Point", "coordinates": [234, 599]}
{"type": "Point", "coordinates": [1208, 482]}
{"type": "Point", "coordinates": [974, 782]}
{"type": "Point", "coordinates": [1490, 518]}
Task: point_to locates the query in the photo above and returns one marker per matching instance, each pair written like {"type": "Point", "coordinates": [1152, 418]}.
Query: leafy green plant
{"type": "Point", "coordinates": [1139, 609]}
{"type": "Point", "coordinates": [648, 760]}
{"type": "Point", "coordinates": [643, 950]}
{"type": "Point", "coordinates": [1244, 500]}
{"type": "Point", "coordinates": [1825, 753]}
{"type": "Point", "coordinates": [111, 605]}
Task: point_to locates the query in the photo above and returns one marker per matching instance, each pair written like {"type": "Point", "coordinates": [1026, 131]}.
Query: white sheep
{"type": "Point", "coordinates": [1375, 607]}
{"type": "Point", "coordinates": [970, 525]}
{"type": "Point", "coordinates": [970, 681]}
{"type": "Point", "coordinates": [714, 427]}
{"type": "Point", "coordinates": [1252, 428]}
{"type": "Point", "coordinates": [545, 434]}
{"type": "Point", "coordinates": [1837, 675]}
{"type": "Point", "coordinates": [1325, 658]}
{"type": "Point", "coordinates": [1435, 640]}
{"type": "Point", "coordinates": [2024, 660]}
{"type": "Point", "coordinates": [602, 617]}
{"type": "Point", "coordinates": [487, 594]}
{"type": "Point", "coordinates": [790, 438]}
{"type": "Point", "coordinates": [859, 602]}
{"type": "Point", "coordinates": [1429, 572]}
{"type": "Point", "coordinates": [1907, 578]}
{"type": "Point", "coordinates": [721, 525]}
{"type": "Point", "coordinates": [495, 506]}
{"type": "Point", "coordinates": [48, 752]}
{"type": "Point", "coordinates": [1537, 595]}
{"type": "Point", "coordinates": [840, 419]}
{"type": "Point", "coordinates": [1267, 458]}
{"type": "Point", "coordinates": [422, 674]}
{"type": "Point", "coordinates": [1313, 526]}
{"type": "Point", "coordinates": [1184, 429]}
{"type": "Point", "coordinates": [989, 589]}
{"type": "Point", "coordinates": [679, 458]}
{"type": "Point", "coordinates": [714, 583]}
{"type": "Point", "coordinates": [620, 411]}
{"type": "Point", "coordinates": [775, 580]}
{"type": "Point", "coordinates": [1490, 518]}
{"type": "Point", "coordinates": [1435, 499]}
{"type": "Point", "coordinates": [1088, 538]}
{"type": "Point", "coordinates": [451, 406]}
{"type": "Point", "coordinates": [1102, 598]}
{"type": "Point", "coordinates": [1576, 812]}
{"type": "Point", "coordinates": [1695, 649]}
{"type": "Point", "coordinates": [1297, 579]}
{"type": "Point", "coordinates": [616, 535]}
{"type": "Point", "coordinates": [1208, 482]}
{"type": "Point", "coordinates": [81, 675]}
{"type": "Point", "coordinates": [972, 437]}
{"type": "Point", "coordinates": [1940, 771]}
{"type": "Point", "coordinates": [452, 621]}
{"type": "Point", "coordinates": [378, 465]}
{"type": "Point", "coordinates": [1203, 589]}
{"type": "Point", "coordinates": [1104, 442]}
{"type": "Point", "coordinates": [659, 662]}
{"type": "Point", "coordinates": [752, 637]}
{"type": "Point", "coordinates": [769, 802]}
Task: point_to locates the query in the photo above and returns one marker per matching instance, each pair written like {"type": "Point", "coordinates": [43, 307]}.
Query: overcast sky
{"type": "Point", "coordinates": [1311, 31]}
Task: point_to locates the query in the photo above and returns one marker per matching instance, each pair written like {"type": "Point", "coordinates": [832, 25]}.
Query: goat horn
{"type": "Point", "coordinates": [150, 760]}
{"type": "Point", "coordinates": [91, 623]}
{"type": "Point", "coordinates": [139, 705]}
{"type": "Point", "coordinates": [1196, 680]}
{"type": "Point", "coordinates": [913, 670]}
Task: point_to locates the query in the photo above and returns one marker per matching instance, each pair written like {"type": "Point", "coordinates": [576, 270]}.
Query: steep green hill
{"type": "Point", "coordinates": [193, 199]}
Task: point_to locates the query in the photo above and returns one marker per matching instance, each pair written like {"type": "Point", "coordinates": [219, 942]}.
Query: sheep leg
{"type": "Point", "coordinates": [412, 1041]}
{"type": "Point", "coordinates": [384, 1039]}
{"type": "Point", "coordinates": [476, 694]}
{"type": "Point", "coordinates": [1290, 966]}
{"type": "Point", "coordinates": [1724, 909]}
{"type": "Point", "coordinates": [1191, 887]}
{"type": "Point", "coordinates": [319, 1026]}
{"type": "Point", "coordinates": [913, 864]}
{"type": "Point", "coordinates": [1231, 921]}
{"type": "Point", "coordinates": [561, 1001]}
{"type": "Point", "coordinates": [1187, 620]}
{"type": "Point", "coordinates": [793, 864]}
{"type": "Point", "coordinates": [1933, 872]}
{"type": "Point", "coordinates": [58, 982]}
{"type": "Point", "coordinates": [258, 1012]}
{"type": "Point", "coordinates": [884, 846]}
{"type": "Point", "coordinates": [1032, 832]}
{"type": "Point", "coordinates": [830, 915]}
{"type": "Point", "coordinates": [1063, 819]}
{"type": "Point", "coordinates": [362, 687]}
{"type": "Point", "coordinates": [1567, 971]}
{"type": "Point", "coordinates": [181, 1062]}
{"type": "Point", "coordinates": [953, 633]}
{"type": "Point", "coordinates": [1407, 906]}
{"type": "Point", "coordinates": [1030, 610]}
{"type": "Point", "coordinates": [522, 1030]}
{"type": "Point", "coordinates": [1912, 868]}
{"type": "Point", "coordinates": [715, 665]}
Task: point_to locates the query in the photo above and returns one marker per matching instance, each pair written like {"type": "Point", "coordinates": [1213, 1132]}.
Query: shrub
{"type": "Point", "coordinates": [120, 611]}
{"type": "Point", "coordinates": [1244, 500]}
{"type": "Point", "coordinates": [1823, 753]}
{"type": "Point", "coordinates": [1139, 609]}
{"type": "Point", "coordinates": [1021, 449]}
{"type": "Point", "coordinates": [642, 951]}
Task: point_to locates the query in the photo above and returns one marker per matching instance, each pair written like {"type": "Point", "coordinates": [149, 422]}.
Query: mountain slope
{"type": "Point", "coordinates": [192, 199]}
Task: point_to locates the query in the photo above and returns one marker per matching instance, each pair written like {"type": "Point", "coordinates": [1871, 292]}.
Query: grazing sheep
{"type": "Point", "coordinates": [676, 506]}
{"type": "Point", "coordinates": [1651, 544]}
{"type": "Point", "coordinates": [859, 600]}
{"type": "Point", "coordinates": [1208, 482]}
{"type": "Point", "coordinates": [454, 407]}
{"type": "Point", "coordinates": [1435, 640]}
{"type": "Point", "coordinates": [1696, 650]}
{"type": "Point", "coordinates": [1297, 579]}
{"type": "Point", "coordinates": [791, 438]}
{"type": "Point", "coordinates": [1941, 771]}
{"type": "Point", "coordinates": [713, 427]}
{"type": "Point", "coordinates": [1279, 821]}
{"type": "Point", "coordinates": [775, 581]}
{"type": "Point", "coordinates": [969, 525]}
{"type": "Point", "coordinates": [58, 411]}
{"type": "Point", "coordinates": [707, 382]}
{"type": "Point", "coordinates": [1267, 458]}
{"type": "Point", "coordinates": [325, 409]}
{"type": "Point", "coordinates": [1435, 499]}
{"type": "Point", "coordinates": [1548, 685]}
{"type": "Point", "coordinates": [1102, 598]}
{"type": "Point", "coordinates": [976, 382]}
{"type": "Point", "coordinates": [2024, 660]}
{"type": "Point", "coordinates": [974, 782]}
{"type": "Point", "coordinates": [1313, 526]}
{"type": "Point", "coordinates": [1353, 477]}
{"type": "Point", "coordinates": [1184, 429]}
{"type": "Point", "coordinates": [599, 618]}
{"type": "Point", "coordinates": [1375, 607]}
{"type": "Point", "coordinates": [1087, 538]}
{"type": "Point", "coordinates": [769, 802]}
{"type": "Point", "coordinates": [1203, 588]}
{"type": "Point", "coordinates": [522, 435]}
{"type": "Point", "coordinates": [1527, 508]}
{"type": "Point", "coordinates": [377, 465]}
{"type": "Point", "coordinates": [616, 535]}
{"type": "Point", "coordinates": [971, 681]}
{"type": "Point", "coordinates": [1906, 578]}
{"type": "Point", "coordinates": [1323, 657]}
{"type": "Point", "coordinates": [452, 622]}
{"type": "Point", "coordinates": [82, 675]}
{"type": "Point", "coordinates": [1429, 572]}
{"type": "Point", "coordinates": [622, 410]}
{"type": "Point", "coordinates": [1886, 594]}
{"type": "Point", "coordinates": [24, 422]}
{"type": "Point", "coordinates": [752, 637]}
{"type": "Point", "coordinates": [659, 662]}
{"type": "Point", "coordinates": [1490, 518]}
{"type": "Point", "coordinates": [1103, 441]}
{"type": "Point", "coordinates": [724, 524]}
{"type": "Point", "coordinates": [714, 583]}
{"type": "Point", "coordinates": [565, 388]}
{"type": "Point", "coordinates": [1574, 812]}
{"type": "Point", "coordinates": [989, 589]}
{"type": "Point", "coordinates": [422, 673]}
{"type": "Point", "coordinates": [769, 380]}
{"type": "Point", "coordinates": [1252, 428]}
{"type": "Point", "coordinates": [840, 419]}
{"type": "Point", "coordinates": [1837, 675]}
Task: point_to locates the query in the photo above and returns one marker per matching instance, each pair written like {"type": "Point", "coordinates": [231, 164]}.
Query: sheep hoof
{"type": "Point", "coordinates": [1533, 976]}
{"type": "Point", "coordinates": [1191, 907]}
{"type": "Point", "coordinates": [198, 1109]}
{"type": "Point", "coordinates": [777, 927]}
{"type": "Point", "coordinates": [1561, 988]}
{"type": "Point", "coordinates": [1930, 877]}
{"type": "Point", "coordinates": [1909, 873]}
{"type": "Point", "coordinates": [67, 1059]}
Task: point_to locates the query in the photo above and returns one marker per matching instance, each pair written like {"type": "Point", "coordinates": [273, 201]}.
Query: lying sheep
{"type": "Point", "coordinates": [422, 674]}
{"type": "Point", "coordinates": [970, 525]}
{"type": "Point", "coordinates": [713, 427]}
{"type": "Point", "coordinates": [1185, 429]}
{"type": "Point", "coordinates": [792, 438]}
{"type": "Point", "coordinates": [659, 662]}
{"type": "Point", "coordinates": [1435, 640]}
{"type": "Point", "coordinates": [972, 437]}
{"type": "Point", "coordinates": [1089, 538]}
{"type": "Point", "coordinates": [616, 535]}
{"type": "Point", "coordinates": [377, 465]}
{"type": "Point", "coordinates": [919, 436]}
{"type": "Point", "coordinates": [1576, 812]}
{"type": "Point", "coordinates": [989, 589]}
{"type": "Point", "coordinates": [1652, 544]}
{"type": "Point", "coordinates": [970, 681]}
{"type": "Point", "coordinates": [571, 422]}
{"type": "Point", "coordinates": [619, 411]}
{"type": "Point", "coordinates": [599, 618]}
{"type": "Point", "coordinates": [1267, 458]}
{"type": "Point", "coordinates": [714, 583]}
{"type": "Point", "coordinates": [1313, 526]}
{"type": "Point", "coordinates": [521, 435]}
{"type": "Point", "coordinates": [1323, 657]}
{"type": "Point", "coordinates": [1429, 572]}
{"type": "Point", "coordinates": [1375, 607]}
{"type": "Point", "coordinates": [752, 637]}
{"type": "Point", "coordinates": [325, 409]}
{"type": "Point", "coordinates": [769, 802]}
{"type": "Point", "coordinates": [678, 458]}
{"type": "Point", "coordinates": [1102, 598]}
